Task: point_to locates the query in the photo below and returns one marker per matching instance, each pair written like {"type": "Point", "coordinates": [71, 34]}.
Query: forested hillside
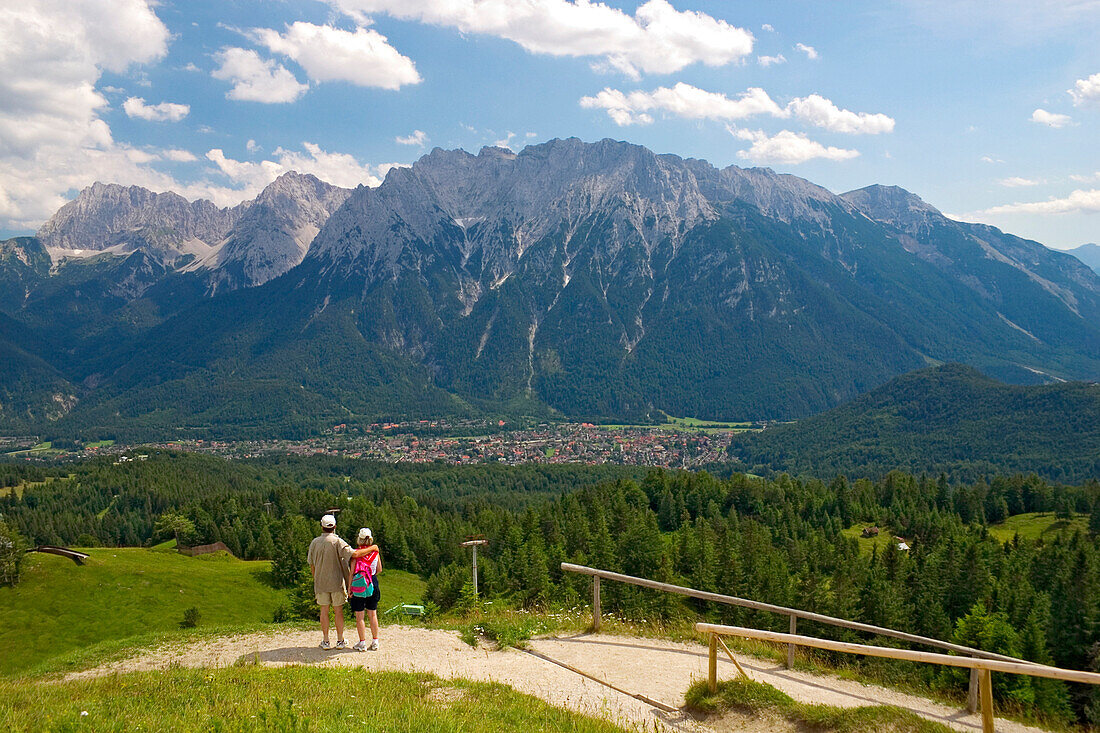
{"type": "Point", "coordinates": [950, 418]}
{"type": "Point", "coordinates": [780, 541]}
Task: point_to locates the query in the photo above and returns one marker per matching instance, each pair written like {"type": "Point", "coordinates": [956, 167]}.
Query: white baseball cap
{"type": "Point", "coordinates": [328, 521]}
{"type": "Point", "coordinates": [365, 534]}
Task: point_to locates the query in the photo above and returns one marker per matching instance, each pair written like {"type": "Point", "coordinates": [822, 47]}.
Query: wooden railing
{"type": "Point", "coordinates": [984, 667]}
{"type": "Point", "coordinates": [794, 614]}
{"type": "Point", "coordinates": [75, 556]}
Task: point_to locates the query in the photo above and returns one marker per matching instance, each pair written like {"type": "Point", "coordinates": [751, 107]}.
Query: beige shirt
{"type": "Point", "coordinates": [328, 556]}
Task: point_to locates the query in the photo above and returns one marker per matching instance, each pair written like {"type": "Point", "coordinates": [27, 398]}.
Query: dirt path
{"type": "Point", "coordinates": [650, 673]}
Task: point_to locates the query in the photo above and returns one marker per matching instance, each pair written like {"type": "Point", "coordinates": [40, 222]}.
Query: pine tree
{"type": "Point", "coordinates": [264, 547]}
{"type": "Point", "coordinates": [12, 554]}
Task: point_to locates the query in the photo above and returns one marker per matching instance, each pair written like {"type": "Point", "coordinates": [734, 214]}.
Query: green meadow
{"type": "Point", "coordinates": [18, 488]}
{"type": "Point", "coordinates": [64, 617]}
{"type": "Point", "coordinates": [61, 613]}
{"type": "Point", "coordinates": [867, 544]}
{"type": "Point", "coordinates": [290, 699]}
{"type": "Point", "coordinates": [1038, 525]}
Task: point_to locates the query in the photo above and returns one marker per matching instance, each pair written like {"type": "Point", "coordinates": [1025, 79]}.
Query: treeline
{"type": "Point", "coordinates": [778, 541]}
{"type": "Point", "coordinates": [101, 502]}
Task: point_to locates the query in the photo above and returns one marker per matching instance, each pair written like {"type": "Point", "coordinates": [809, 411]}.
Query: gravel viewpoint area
{"type": "Point", "coordinates": [660, 671]}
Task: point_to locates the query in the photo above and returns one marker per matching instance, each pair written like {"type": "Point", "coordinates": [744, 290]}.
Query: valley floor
{"type": "Point", "coordinates": [641, 669]}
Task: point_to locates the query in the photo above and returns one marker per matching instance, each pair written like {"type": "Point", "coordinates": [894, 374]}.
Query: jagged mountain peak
{"type": "Point", "coordinates": [893, 205]}
{"type": "Point", "coordinates": [293, 182]}
{"type": "Point", "coordinates": [777, 195]}
{"type": "Point", "coordinates": [104, 215]}
{"type": "Point", "coordinates": [275, 232]}
{"type": "Point", "coordinates": [496, 151]}
{"type": "Point", "coordinates": [503, 201]}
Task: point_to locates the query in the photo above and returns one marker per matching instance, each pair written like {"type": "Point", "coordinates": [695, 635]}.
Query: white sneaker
{"type": "Point", "coordinates": [373, 646]}
{"type": "Point", "coordinates": [341, 644]}
{"type": "Point", "coordinates": [325, 645]}
{"type": "Point", "coordinates": [360, 647]}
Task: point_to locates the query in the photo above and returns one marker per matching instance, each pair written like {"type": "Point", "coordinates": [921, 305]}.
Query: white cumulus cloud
{"type": "Point", "coordinates": [506, 141]}
{"type": "Point", "coordinates": [418, 137]}
{"type": "Point", "coordinates": [1085, 178]}
{"type": "Point", "coordinates": [178, 156]}
{"type": "Point", "coordinates": [767, 61]}
{"type": "Point", "coordinates": [340, 169]}
{"type": "Point", "coordinates": [1050, 119]}
{"type": "Point", "coordinates": [810, 51]}
{"type": "Point", "coordinates": [255, 79]}
{"type": "Point", "coordinates": [52, 138]}
{"type": "Point", "coordinates": [682, 100]}
{"type": "Point", "coordinates": [821, 112]}
{"type": "Point", "coordinates": [689, 102]}
{"type": "Point", "coordinates": [787, 147]}
{"type": "Point", "coordinates": [363, 57]}
{"type": "Point", "coordinates": [1079, 201]}
{"type": "Point", "coordinates": [163, 112]}
{"type": "Point", "coordinates": [1018, 182]}
{"type": "Point", "coordinates": [1086, 90]}
{"type": "Point", "coordinates": [657, 38]}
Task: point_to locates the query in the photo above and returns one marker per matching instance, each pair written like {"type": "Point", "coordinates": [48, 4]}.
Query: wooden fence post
{"type": "Point", "coordinates": [595, 603]}
{"type": "Point", "coordinates": [987, 701]}
{"type": "Point", "coordinates": [712, 664]}
{"type": "Point", "coordinates": [972, 694]}
{"type": "Point", "coordinates": [790, 647]}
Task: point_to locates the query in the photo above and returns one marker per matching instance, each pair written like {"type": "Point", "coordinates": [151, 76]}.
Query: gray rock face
{"type": "Point", "coordinates": [502, 202]}
{"type": "Point", "coordinates": [105, 215]}
{"type": "Point", "coordinates": [230, 248]}
{"type": "Point", "coordinates": [273, 235]}
{"type": "Point", "coordinates": [894, 206]}
{"type": "Point", "coordinates": [777, 195]}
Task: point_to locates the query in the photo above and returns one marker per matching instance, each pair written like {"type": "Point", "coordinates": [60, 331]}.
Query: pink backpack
{"type": "Point", "coordinates": [362, 580]}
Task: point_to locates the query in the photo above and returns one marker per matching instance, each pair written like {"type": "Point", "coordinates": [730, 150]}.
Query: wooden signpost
{"type": "Point", "coordinates": [473, 545]}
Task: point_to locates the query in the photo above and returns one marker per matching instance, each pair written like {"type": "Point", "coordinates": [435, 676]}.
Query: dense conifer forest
{"type": "Point", "coordinates": [780, 540]}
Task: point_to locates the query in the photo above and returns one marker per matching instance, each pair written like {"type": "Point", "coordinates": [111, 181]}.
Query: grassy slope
{"type": "Point", "coordinates": [284, 699]}
{"type": "Point", "coordinates": [1034, 525]}
{"type": "Point", "coordinates": [60, 607]}
{"type": "Point", "coordinates": [19, 488]}
{"type": "Point", "coordinates": [755, 698]}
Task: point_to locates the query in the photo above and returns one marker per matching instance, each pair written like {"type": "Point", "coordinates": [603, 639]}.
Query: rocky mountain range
{"type": "Point", "coordinates": [591, 280]}
{"type": "Point", "coordinates": [242, 246]}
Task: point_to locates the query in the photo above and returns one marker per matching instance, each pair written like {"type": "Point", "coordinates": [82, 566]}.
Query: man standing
{"type": "Point", "coordinates": [328, 561]}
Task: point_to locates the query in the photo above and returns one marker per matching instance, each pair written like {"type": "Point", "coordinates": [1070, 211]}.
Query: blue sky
{"type": "Point", "coordinates": [989, 111]}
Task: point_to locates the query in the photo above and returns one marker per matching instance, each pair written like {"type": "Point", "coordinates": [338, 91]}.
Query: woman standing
{"type": "Point", "coordinates": [363, 577]}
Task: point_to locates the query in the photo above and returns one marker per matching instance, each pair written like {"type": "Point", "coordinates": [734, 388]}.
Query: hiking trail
{"type": "Point", "coordinates": [645, 678]}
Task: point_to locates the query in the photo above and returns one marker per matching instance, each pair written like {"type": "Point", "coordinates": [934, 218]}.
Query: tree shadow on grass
{"type": "Point", "coordinates": [264, 576]}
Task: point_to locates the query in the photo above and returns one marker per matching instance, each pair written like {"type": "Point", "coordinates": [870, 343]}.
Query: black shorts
{"type": "Point", "coordinates": [367, 603]}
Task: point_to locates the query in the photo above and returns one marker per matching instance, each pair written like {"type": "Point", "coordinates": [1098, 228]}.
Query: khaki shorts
{"type": "Point", "coordinates": [335, 598]}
